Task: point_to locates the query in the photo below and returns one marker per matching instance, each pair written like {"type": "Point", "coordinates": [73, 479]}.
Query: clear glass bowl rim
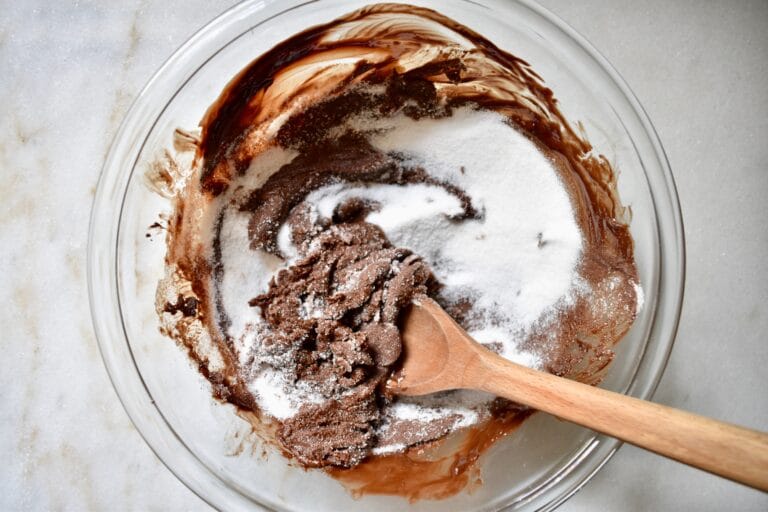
{"type": "Point", "coordinates": [113, 343]}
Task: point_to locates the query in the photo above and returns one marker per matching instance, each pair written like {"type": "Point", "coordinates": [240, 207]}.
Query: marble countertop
{"type": "Point", "coordinates": [70, 70]}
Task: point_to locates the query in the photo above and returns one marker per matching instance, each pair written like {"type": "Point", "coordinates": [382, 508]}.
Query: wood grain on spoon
{"type": "Point", "coordinates": [439, 355]}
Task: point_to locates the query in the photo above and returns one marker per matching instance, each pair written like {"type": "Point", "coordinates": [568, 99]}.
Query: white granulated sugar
{"type": "Point", "coordinates": [521, 259]}
{"type": "Point", "coordinates": [278, 395]}
{"type": "Point", "coordinates": [465, 402]}
{"type": "Point", "coordinates": [470, 407]}
{"type": "Point", "coordinates": [246, 275]}
{"type": "Point", "coordinates": [388, 449]}
{"type": "Point", "coordinates": [265, 165]}
{"type": "Point", "coordinates": [270, 390]}
{"type": "Point", "coordinates": [399, 205]}
{"type": "Point", "coordinates": [426, 412]}
{"type": "Point", "coordinates": [640, 297]}
{"type": "Point", "coordinates": [312, 307]}
{"type": "Point", "coordinates": [491, 334]}
{"type": "Point", "coordinates": [284, 244]}
{"type": "Point", "coordinates": [351, 281]}
{"type": "Point", "coordinates": [416, 216]}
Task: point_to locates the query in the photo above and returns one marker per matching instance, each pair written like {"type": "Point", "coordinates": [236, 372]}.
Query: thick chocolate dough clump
{"type": "Point", "coordinates": [336, 310]}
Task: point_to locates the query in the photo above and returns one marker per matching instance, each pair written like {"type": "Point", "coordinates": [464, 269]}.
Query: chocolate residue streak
{"type": "Point", "coordinates": [293, 97]}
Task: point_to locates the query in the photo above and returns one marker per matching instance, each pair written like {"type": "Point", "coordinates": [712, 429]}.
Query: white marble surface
{"type": "Point", "coordinates": [69, 72]}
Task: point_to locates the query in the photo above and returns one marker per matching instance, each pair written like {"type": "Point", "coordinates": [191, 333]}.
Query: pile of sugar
{"type": "Point", "coordinates": [517, 264]}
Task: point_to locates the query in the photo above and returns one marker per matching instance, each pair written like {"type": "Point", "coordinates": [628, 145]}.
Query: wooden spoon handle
{"type": "Point", "coordinates": [727, 450]}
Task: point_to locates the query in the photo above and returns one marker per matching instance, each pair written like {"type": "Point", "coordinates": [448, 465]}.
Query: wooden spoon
{"type": "Point", "coordinates": [440, 355]}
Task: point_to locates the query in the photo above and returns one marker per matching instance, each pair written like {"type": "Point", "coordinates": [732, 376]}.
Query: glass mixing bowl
{"type": "Point", "coordinates": [203, 442]}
